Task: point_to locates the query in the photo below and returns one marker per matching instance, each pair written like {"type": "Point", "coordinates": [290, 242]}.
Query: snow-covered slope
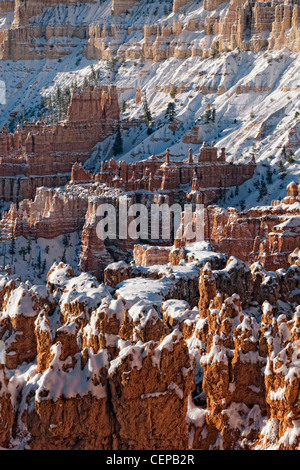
{"type": "Point", "coordinates": [256, 95]}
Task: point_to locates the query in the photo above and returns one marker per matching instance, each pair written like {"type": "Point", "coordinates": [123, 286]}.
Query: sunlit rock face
{"type": "Point", "coordinates": [87, 364]}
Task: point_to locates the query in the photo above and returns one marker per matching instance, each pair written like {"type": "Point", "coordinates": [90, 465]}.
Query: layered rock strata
{"type": "Point", "coordinates": [247, 25]}
{"type": "Point", "coordinates": [42, 155]}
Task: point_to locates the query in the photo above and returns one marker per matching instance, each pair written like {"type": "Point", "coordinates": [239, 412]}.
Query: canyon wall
{"type": "Point", "coordinates": [43, 155]}
{"type": "Point", "coordinates": [246, 25]}
{"type": "Point", "coordinates": [266, 234]}
{"type": "Point", "coordinates": [157, 180]}
{"type": "Point", "coordinates": [27, 39]}
{"type": "Point", "coordinates": [263, 234]}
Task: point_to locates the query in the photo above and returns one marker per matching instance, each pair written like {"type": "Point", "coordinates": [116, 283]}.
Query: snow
{"type": "Point", "coordinates": [83, 290]}
{"type": "Point", "coordinates": [62, 383]}
{"type": "Point", "coordinates": [236, 413]}
{"type": "Point", "coordinates": [175, 308]}
{"type": "Point", "coordinates": [154, 291]}
{"type": "Point", "coordinates": [195, 415]}
{"type": "Point", "coordinates": [22, 301]}
{"type": "Point", "coordinates": [136, 352]}
{"type": "Point", "coordinates": [141, 313]}
{"type": "Point", "coordinates": [273, 74]}
{"type": "Point", "coordinates": [33, 259]}
{"type": "Point", "coordinates": [278, 395]}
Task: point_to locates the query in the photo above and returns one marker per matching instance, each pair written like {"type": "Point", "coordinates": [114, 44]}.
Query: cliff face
{"type": "Point", "coordinates": [25, 38]}
{"type": "Point", "coordinates": [42, 155]}
{"type": "Point", "coordinates": [265, 234]}
{"type": "Point", "coordinates": [268, 234]}
{"type": "Point", "coordinates": [247, 25]}
{"type": "Point", "coordinates": [224, 57]}
{"type": "Point", "coordinates": [62, 211]}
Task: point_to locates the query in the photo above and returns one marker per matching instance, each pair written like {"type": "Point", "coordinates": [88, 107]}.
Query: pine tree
{"type": "Point", "coordinates": [290, 158]}
{"type": "Point", "coordinates": [170, 112]}
{"type": "Point", "coordinates": [12, 248]}
{"type": "Point", "coordinates": [208, 114]}
{"type": "Point", "coordinates": [65, 241]}
{"type": "Point", "coordinates": [58, 99]}
{"type": "Point", "coordinates": [282, 170]}
{"type": "Point", "coordinates": [39, 260]}
{"type": "Point", "coordinates": [263, 188]}
{"type": "Point", "coordinates": [269, 175]}
{"type": "Point", "coordinates": [147, 112]}
{"type": "Point", "coordinates": [93, 76]}
{"type": "Point", "coordinates": [63, 258]}
{"type": "Point", "coordinates": [118, 144]}
{"type": "Point", "coordinates": [123, 106]}
{"type": "Point", "coordinates": [283, 152]}
{"type": "Point", "coordinates": [44, 266]}
{"type": "Point", "coordinates": [85, 82]}
{"type": "Point", "coordinates": [213, 115]}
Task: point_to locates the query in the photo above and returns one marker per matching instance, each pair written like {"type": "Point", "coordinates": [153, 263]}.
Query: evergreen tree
{"type": "Point", "coordinates": [290, 158]}
{"type": "Point", "coordinates": [85, 82]}
{"type": "Point", "coordinates": [123, 106]}
{"type": "Point", "coordinates": [213, 115]}
{"type": "Point", "coordinates": [118, 144]}
{"type": "Point", "coordinates": [28, 248]}
{"type": "Point", "coordinates": [22, 253]}
{"type": "Point", "coordinates": [93, 76]}
{"type": "Point", "coordinates": [283, 152]}
{"type": "Point", "coordinates": [269, 175]}
{"type": "Point", "coordinates": [282, 170]}
{"type": "Point", "coordinates": [39, 260]}
{"type": "Point", "coordinates": [12, 247]}
{"type": "Point", "coordinates": [65, 240]}
{"type": "Point", "coordinates": [170, 112]}
{"type": "Point", "coordinates": [44, 266]}
{"type": "Point", "coordinates": [207, 114]}
{"type": "Point", "coordinates": [147, 113]}
{"type": "Point", "coordinates": [263, 188]}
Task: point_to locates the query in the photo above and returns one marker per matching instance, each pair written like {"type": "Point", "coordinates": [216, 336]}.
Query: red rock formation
{"type": "Point", "coordinates": [38, 150]}
{"type": "Point", "coordinates": [141, 378]}
{"type": "Point", "coordinates": [26, 41]}
{"type": "Point", "coordinates": [107, 368]}
{"type": "Point", "coordinates": [6, 410]}
{"type": "Point", "coordinates": [248, 25]}
{"type": "Point", "coordinates": [265, 234]}
{"type": "Point", "coordinates": [94, 255]}
{"type": "Point", "coordinates": [209, 171]}
{"type": "Point", "coordinates": [119, 6]}
{"type": "Point", "coordinates": [145, 255]}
